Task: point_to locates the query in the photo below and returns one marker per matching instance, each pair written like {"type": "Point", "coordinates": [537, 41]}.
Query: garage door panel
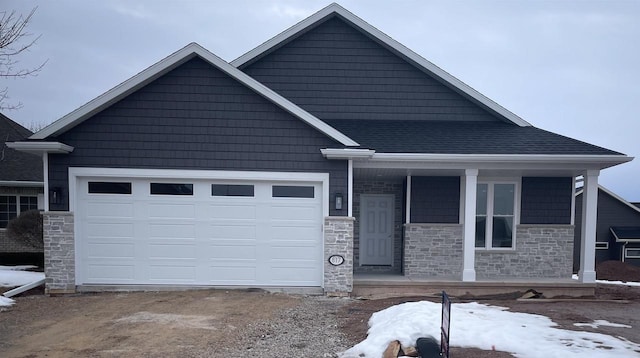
{"type": "Point", "coordinates": [167, 210]}
{"type": "Point", "coordinates": [226, 275]}
{"type": "Point", "coordinates": [172, 273]}
{"type": "Point", "coordinates": [110, 273]}
{"type": "Point", "coordinates": [113, 250]}
{"type": "Point", "coordinates": [172, 251]}
{"type": "Point", "coordinates": [109, 210]}
{"type": "Point", "coordinates": [293, 212]}
{"type": "Point", "coordinates": [110, 230]}
{"type": "Point", "coordinates": [199, 239]}
{"type": "Point", "coordinates": [233, 252]}
{"type": "Point", "coordinates": [169, 230]}
{"type": "Point", "coordinates": [236, 231]}
{"type": "Point", "coordinates": [288, 253]}
{"type": "Point", "coordinates": [295, 233]}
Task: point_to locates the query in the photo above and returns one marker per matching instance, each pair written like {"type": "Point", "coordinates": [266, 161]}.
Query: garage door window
{"type": "Point", "coordinates": [232, 190]}
{"type": "Point", "coordinates": [102, 187]}
{"type": "Point", "coordinates": [288, 191]}
{"type": "Point", "coordinates": [171, 189]}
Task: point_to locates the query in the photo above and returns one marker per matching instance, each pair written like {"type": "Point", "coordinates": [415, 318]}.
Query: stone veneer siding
{"type": "Point", "coordinates": [542, 251]}
{"type": "Point", "coordinates": [338, 240]}
{"type": "Point", "coordinates": [433, 251]}
{"type": "Point", "coordinates": [59, 252]}
{"type": "Point", "coordinates": [396, 188]}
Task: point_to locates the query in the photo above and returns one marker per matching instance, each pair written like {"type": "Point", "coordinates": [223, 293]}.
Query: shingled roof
{"type": "Point", "coordinates": [15, 165]}
{"type": "Point", "coordinates": [444, 137]}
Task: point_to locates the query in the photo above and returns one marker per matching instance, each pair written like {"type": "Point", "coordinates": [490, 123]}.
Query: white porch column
{"type": "Point", "coordinates": [45, 166]}
{"type": "Point", "coordinates": [469, 247]}
{"type": "Point", "coordinates": [587, 271]}
{"type": "Point", "coordinates": [408, 202]}
{"type": "Point", "coordinates": [350, 188]}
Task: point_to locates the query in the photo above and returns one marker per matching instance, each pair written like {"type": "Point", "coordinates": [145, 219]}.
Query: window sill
{"type": "Point", "coordinates": [509, 250]}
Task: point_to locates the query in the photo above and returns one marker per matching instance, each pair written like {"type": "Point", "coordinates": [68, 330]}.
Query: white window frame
{"type": "Point", "coordinates": [490, 182]}
{"type": "Point", "coordinates": [602, 245]}
{"type": "Point", "coordinates": [17, 196]}
{"type": "Point", "coordinates": [626, 253]}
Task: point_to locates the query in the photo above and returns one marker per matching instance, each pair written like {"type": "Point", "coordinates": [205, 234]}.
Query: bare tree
{"type": "Point", "coordinates": [14, 40]}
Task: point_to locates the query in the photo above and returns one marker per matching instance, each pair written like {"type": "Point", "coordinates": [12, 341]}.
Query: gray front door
{"type": "Point", "coordinates": [376, 229]}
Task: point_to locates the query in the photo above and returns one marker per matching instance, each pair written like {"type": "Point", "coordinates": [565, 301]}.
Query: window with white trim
{"type": "Point", "coordinates": [632, 253]}
{"type": "Point", "coordinates": [12, 205]}
{"type": "Point", "coordinates": [495, 215]}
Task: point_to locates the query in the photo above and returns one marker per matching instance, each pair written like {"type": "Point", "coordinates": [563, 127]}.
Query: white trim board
{"type": "Point", "coordinates": [169, 63]}
{"type": "Point", "coordinates": [420, 62]}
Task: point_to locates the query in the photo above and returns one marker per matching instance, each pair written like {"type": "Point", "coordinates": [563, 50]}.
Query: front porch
{"type": "Point", "coordinates": [377, 286]}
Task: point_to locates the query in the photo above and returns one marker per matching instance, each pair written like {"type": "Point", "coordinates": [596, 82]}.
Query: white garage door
{"type": "Point", "coordinates": [199, 232]}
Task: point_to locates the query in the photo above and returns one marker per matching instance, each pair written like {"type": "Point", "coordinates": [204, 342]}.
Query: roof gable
{"type": "Point", "coordinates": [613, 196]}
{"type": "Point", "coordinates": [333, 12]}
{"type": "Point", "coordinates": [166, 65]}
{"type": "Point", "coordinates": [15, 165]}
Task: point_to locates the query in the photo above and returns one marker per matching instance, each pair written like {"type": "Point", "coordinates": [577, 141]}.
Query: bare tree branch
{"type": "Point", "coordinates": [14, 41]}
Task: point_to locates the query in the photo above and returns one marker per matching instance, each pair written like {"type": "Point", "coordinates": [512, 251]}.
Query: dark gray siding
{"type": "Point", "coordinates": [196, 117]}
{"type": "Point", "coordinates": [546, 200]}
{"type": "Point", "coordinates": [336, 72]}
{"type": "Point", "coordinates": [435, 200]}
{"type": "Point", "coordinates": [611, 212]}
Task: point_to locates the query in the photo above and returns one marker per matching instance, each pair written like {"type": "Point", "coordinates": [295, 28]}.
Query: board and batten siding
{"type": "Point", "coordinates": [435, 200]}
{"type": "Point", "coordinates": [196, 117]}
{"type": "Point", "coordinates": [546, 200]}
{"type": "Point", "coordinates": [334, 71]}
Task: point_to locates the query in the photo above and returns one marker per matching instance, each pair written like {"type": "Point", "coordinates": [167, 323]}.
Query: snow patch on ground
{"type": "Point", "coordinates": [18, 267]}
{"type": "Point", "coordinates": [482, 326]}
{"type": "Point", "coordinates": [12, 277]}
{"type": "Point", "coordinates": [600, 322]}
{"type": "Point", "coordinates": [5, 302]}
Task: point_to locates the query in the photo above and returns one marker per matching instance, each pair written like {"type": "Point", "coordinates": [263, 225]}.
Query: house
{"type": "Point", "coordinates": [617, 229]}
{"type": "Point", "coordinates": [327, 152]}
{"type": "Point", "coordinates": [21, 184]}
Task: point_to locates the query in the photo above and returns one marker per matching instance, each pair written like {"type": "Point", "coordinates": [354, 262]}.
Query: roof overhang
{"type": "Point", "coordinates": [347, 153]}
{"type": "Point", "coordinates": [169, 63]}
{"type": "Point", "coordinates": [41, 147]}
{"type": "Point", "coordinates": [384, 39]}
{"type": "Point", "coordinates": [626, 233]}
{"type": "Point", "coordinates": [20, 183]}
{"type": "Point", "coordinates": [372, 159]}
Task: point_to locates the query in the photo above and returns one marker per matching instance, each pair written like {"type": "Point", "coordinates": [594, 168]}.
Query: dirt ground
{"type": "Point", "coordinates": [208, 322]}
{"type": "Point", "coordinates": [140, 324]}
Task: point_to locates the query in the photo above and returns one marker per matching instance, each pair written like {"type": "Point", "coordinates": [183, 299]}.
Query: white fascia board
{"type": "Point", "coordinates": [167, 64]}
{"type": "Point", "coordinates": [347, 153]}
{"type": "Point", "coordinates": [508, 158]}
{"type": "Point", "coordinates": [388, 41]}
{"type": "Point", "coordinates": [18, 183]}
{"type": "Point", "coordinates": [41, 147]}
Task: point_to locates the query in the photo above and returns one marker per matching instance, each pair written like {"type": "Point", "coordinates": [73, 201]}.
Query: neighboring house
{"type": "Point", "coordinates": [21, 184]}
{"type": "Point", "coordinates": [329, 151]}
{"type": "Point", "coordinates": [617, 229]}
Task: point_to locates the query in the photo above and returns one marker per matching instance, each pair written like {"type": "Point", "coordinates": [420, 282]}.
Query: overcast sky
{"type": "Point", "coordinates": [570, 67]}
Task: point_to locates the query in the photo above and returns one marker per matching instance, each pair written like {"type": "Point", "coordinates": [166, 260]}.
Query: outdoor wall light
{"type": "Point", "coordinates": [338, 201]}
{"type": "Point", "coordinates": [55, 196]}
